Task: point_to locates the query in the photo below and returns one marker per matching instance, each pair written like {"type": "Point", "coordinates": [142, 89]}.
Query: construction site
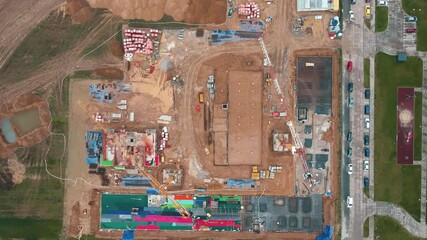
{"type": "Point", "coordinates": [229, 128]}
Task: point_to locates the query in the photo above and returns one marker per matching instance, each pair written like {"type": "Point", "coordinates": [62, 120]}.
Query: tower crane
{"type": "Point", "coordinates": [297, 142]}
{"type": "Point", "coordinates": [299, 148]}
{"type": "Point", "coordinates": [153, 181]}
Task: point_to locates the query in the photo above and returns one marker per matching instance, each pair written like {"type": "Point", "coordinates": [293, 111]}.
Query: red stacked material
{"type": "Point", "coordinates": [250, 10]}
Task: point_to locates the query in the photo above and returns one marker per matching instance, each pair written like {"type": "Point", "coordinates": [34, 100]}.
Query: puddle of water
{"type": "Point", "coordinates": [26, 121]}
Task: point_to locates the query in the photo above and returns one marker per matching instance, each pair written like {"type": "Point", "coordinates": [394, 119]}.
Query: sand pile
{"type": "Point", "coordinates": [79, 10]}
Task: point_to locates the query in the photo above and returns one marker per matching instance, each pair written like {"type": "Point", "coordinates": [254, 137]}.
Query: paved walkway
{"type": "Point", "coordinates": [391, 210]}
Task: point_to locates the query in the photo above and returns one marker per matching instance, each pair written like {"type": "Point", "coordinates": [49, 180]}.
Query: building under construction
{"type": "Point", "coordinates": [129, 148]}
{"type": "Point", "coordinates": [237, 118]}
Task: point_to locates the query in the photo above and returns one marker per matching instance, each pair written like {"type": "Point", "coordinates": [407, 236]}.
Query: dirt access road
{"type": "Point", "coordinates": [56, 69]}
{"type": "Point", "coordinates": [18, 18]}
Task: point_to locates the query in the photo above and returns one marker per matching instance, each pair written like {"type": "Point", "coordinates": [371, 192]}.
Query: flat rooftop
{"type": "Point", "coordinates": [244, 130]}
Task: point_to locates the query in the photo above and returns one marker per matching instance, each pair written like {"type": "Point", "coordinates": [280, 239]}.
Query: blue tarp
{"type": "Point", "coordinates": [128, 235]}
{"type": "Point", "coordinates": [94, 146]}
{"type": "Point", "coordinates": [327, 233]}
{"type": "Point", "coordinates": [106, 92]}
{"type": "Point", "coordinates": [241, 183]}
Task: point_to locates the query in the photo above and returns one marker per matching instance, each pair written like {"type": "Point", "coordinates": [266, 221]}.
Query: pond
{"type": "Point", "coordinates": [26, 121]}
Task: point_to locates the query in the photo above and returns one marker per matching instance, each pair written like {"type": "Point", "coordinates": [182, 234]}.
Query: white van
{"type": "Point", "coordinates": [367, 123]}
{"type": "Point", "coordinates": [349, 202]}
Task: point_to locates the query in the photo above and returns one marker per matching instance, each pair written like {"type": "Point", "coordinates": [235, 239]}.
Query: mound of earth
{"type": "Point", "coordinates": [189, 11]}
{"type": "Point", "coordinates": [79, 10]}
{"type": "Point", "coordinates": [12, 172]}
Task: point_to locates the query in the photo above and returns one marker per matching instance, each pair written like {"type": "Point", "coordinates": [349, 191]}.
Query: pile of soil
{"type": "Point", "coordinates": [79, 10]}
{"type": "Point", "coordinates": [189, 11]}
{"type": "Point", "coordinates": [12, 172]}
{"type": "Point", "coordinates": [116, 49]}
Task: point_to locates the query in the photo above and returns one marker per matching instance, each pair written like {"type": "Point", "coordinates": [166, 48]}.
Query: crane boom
{"type": "Point", "coordinates": [153, 181]}
{"type": "Point", "coordinates": [298, 146]}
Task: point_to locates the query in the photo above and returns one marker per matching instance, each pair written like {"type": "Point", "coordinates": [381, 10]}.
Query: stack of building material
{"type": "Point", "coordinates": [139, 41]}
{"type": "Point", "coordinates": [250, 10]}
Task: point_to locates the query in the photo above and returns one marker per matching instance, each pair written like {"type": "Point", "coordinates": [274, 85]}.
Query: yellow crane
{"type": "Point", "coordinates": [153, 181]}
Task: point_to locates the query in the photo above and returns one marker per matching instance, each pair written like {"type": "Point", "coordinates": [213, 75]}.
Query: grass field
{"type": "Point", "coordinates": [53, 36]}
{"type": "Point", "coordinates": [34, 208]}
{"type": "Point", "coordinates": [394, 183]}
{"type": "Point", "coordinates": [368, 23]}
{"type": "Point", "coordinates": [366, 228]}
{"type": "Point", "coordinates": [30, 228]}
{"type": "Point", "coordinates": [166, 22]}
{"type": "Point", "coordinates": [381, 18]}
{"type": "Point", "coordinates": [366, 71]}
{"type": "Point", "coordinates": [413, 7]}
{"type": "Point", "coordinates": [388, 228]}
{"type": "Point", "coordinates": [418, 126]}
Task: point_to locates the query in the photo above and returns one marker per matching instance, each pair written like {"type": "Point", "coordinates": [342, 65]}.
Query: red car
{"type": "Point", "coordinates": [349, 66]}
{"type": "Point", "coordinates": [411, 30]}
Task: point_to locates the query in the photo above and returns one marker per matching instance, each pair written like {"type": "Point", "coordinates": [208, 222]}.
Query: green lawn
{"type": "Point", "coordinates": [394, 183]}
{"type": "Point", "coordinates": [366, 228]}
{"type": "Point", "coordinates": [418, 125]}
{"type": "Point", "coordinates": [390, 229]}
{"type": "Point", "coordinates": [366, 71]}
{"type": "Point", "coordinates": [412, 7]}
{"type": "Point", "coordinates": [30, 228]}
{"type": "Point", "coordinates": [381, 18]}
{"type": "Point", "coordinates": [368, 23]}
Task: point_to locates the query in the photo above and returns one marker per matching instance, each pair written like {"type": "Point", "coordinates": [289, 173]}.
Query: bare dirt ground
{"type": "Point", "coordinates": [18, 18]}
{"type": "Point", "coordinates": [25, 103]}
{"type": "Point", "coordinates": [80, 182]}
{"type": "Point", "coordinates": [189, 11]}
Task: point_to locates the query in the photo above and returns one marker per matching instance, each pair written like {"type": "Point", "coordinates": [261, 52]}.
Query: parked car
{"type": "Point", "coordinates": [366, 140]}
{"type": "Point", "coordinates": [367, 1]}
{"type": "Point", "coordinates": [367, 11]}
{"type": "Point", "coordinates": [411, 30]}
{"type": "Point", "coordinates": [367, 109]}
{"type": "Point", "coordinates": [382, 3]}
{"type": "Point", "coordinates": [353, 2]}
{"type": "Point", "coordinates": [350, 169]}
{"type": "Point", "coordinates": [349, 202]}
{"type": "Point", "coordinates": [350, 87]}
{"type": "Point", "coordinates": [351, 13]}
{"type": "Point", "coordinates": [349, 136]}
{"type": "Point", "coordinates": [367, 93]}
{"type": "Point", "coordinates": [350, 102]}
{"type": "Point", "coordinates": [349, 66]}
{"type": "Point", "coordinates": [366, 182]}
{"type": "Point", "coordinates": [411, 19]}
{"type": "Point", "coordinates": [367, 152]}
{"type": "Point", "coordinates": [349, 152]}
{"type": "Point", "coordinates": [367, 123]}
{"type": "Point", "coordinates": [366, 165]}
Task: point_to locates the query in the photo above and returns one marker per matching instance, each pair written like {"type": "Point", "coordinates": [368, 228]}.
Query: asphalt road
{"type": "Point", "coordinates": [353, 120]}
